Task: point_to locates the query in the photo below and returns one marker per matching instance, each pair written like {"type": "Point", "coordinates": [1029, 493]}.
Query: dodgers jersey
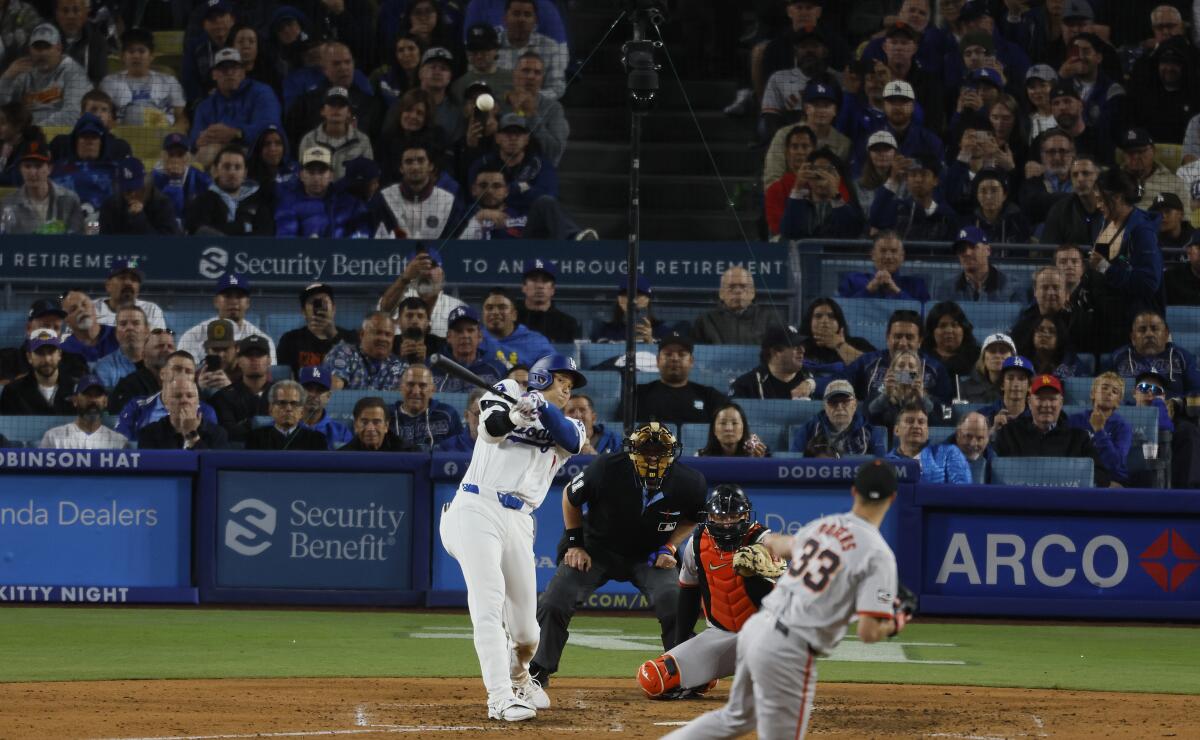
{"type": "Point", "coordinates": [524, 461]}
{"type": "Point", "coordinates": [840, 567]}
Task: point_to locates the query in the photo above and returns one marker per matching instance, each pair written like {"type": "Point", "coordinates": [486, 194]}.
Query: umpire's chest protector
{"type": "Point", "coordinates": [621, 518]}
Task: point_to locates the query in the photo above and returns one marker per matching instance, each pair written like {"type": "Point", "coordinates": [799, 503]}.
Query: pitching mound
{"type": "Point", "coordinates": [449, 708]}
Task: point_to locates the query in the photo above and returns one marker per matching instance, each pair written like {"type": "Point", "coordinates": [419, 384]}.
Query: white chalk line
{"type": "Point", "coordinates": [370, 729]}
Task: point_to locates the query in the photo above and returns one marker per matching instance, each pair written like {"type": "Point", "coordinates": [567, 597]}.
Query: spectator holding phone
{"type": "Point", "coordinates": [903, 386]}
{"type": "Point", "coordinates": [647, 329]}
{"type": "Point", "coordinates": [307, 345]}
{"type": "Point", "coordinates": [729, 435]}
{"type": "Point", "coordinates": [822, 203]}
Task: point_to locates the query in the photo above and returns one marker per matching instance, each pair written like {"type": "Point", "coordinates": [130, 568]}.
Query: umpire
{"type": "Point", "coordinates": [641, 507]}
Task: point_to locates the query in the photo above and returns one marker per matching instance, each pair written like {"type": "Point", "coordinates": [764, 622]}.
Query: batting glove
{"type": "Point", "coordinates": [525, 412]}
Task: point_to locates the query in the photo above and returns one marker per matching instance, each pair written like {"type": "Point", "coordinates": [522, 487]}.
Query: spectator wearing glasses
{"type": "Point", "coordinates": [1150, 348]}
{"type": "Point", "coordinates": [738, 320]}
{"type": "Point", "coordinates": [1111, 435]}
{"type": "Point", "coordinates": [317, 382]}
{"type": "Point", "coordinates": [1149, 389]}
{"type": "Point", "coordinates": [838, 430]}
{"type": "Point", "coordinates": [285, 404]}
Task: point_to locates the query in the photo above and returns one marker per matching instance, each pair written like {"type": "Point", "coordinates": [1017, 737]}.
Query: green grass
{"type": "Point", "coordinates": [61, 644]}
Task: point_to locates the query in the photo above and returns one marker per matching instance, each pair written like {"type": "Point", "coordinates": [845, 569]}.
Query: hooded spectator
{"type": "Point", "coordinates": [138, 207]}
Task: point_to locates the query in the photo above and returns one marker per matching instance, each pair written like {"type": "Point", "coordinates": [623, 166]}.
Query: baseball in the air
{"type": "Point", "coordinates": [485, 102]}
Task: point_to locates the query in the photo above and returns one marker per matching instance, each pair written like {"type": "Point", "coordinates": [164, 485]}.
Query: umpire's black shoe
{"type": "Point", "coordinates": [539, 674]}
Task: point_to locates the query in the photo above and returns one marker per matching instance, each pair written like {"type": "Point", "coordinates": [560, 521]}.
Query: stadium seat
{"type": "Point", "coordinates": [938, 435]}
{"type": "Point", "coordinates": [989, 318]}
{"type": "Point", "coordinates": [868, 317]}
{"type": "Point", "coordinates": [280, 372]}
{"type": "Point", "coordinates": [341, 404]}
{"type": "Point", "coordinates": [569, 349]}
{"type": "Point", "coordinates": [12, 327]}
{"type": "Point", "coordinates": [51, 131]}
{"type": "Point", "coordinates": [1144, 420]}
{"type": "Point", "coordinates": [1078, 390]}
{"type": "Point", "coordinates": [959, 410]}
{"type": "Point", "coordinates": [591, 355]}
{"type": "Point", "coordinates": [1183, 318]}
{"type": "Point", "coordinates": [732, 358]}
{"type": "Point", "coordinates": [602, 385]}
{"type": "Point", "coordinates": [29, 429]}
{"type": "Point", "coordinates": [719, 379]}
{"type": "Point", "coordinates": [773, 411]}
{"type": "Point", "coordinates": [1069, 472]}
{"type": "Point", "coordinates": [259, 422]}
{"type": "Point", "coordinates": [145, 141]}
{"type": "Point", "coordinates": [979, 470]}
{"type": "Point", "coordinates": [168, 42]}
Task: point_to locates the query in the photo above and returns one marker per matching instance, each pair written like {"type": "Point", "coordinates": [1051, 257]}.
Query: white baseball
{"type": "Point", "coordinates": [485, 102]}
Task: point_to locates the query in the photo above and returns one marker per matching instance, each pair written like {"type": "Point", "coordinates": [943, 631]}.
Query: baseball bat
{"type": "Point", "coordinates": [450, 367]}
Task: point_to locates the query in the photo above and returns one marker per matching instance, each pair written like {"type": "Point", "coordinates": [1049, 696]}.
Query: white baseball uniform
{"type": "Point", "coordinates": [488, 528]}
{"type": "Point", "coordinates": [70, 437]}
{"type": "Point", "coordinates": [840, 567]}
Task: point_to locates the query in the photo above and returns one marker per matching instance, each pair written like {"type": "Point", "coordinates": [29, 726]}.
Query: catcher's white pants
{"type": "Point", "coordinates": [494, 547]}
{"type": "Point", "coordinates": [772, 690]}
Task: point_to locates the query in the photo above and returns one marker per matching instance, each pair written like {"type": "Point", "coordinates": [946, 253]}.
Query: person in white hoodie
{"type": "Point", "coordinates": [50, 83]}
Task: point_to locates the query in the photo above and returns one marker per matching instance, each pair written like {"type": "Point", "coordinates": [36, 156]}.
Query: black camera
{"type": "Point", "coordinates": [212, 363]}
{"type": "Point", "coordinates": [414, 333]}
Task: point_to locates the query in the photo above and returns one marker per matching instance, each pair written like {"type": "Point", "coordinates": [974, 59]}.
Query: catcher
{"type": "Point", "coordinates": [725, 567]}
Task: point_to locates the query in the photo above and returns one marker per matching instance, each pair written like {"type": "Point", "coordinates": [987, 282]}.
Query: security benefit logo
{"type": "Point", "coordinates": [308, 531]}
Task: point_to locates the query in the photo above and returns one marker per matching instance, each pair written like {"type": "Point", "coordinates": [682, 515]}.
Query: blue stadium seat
{"type": "Point", "coordinates": [1070, 472]}
{"type": "Point", "coordinates": [12, 327]}
{"type": "Point", "coordinates": [773, 411]}
{"type": "Point", "coordinates": [29, 429]}
{"type": "Point", "coordinates": [938, 435]}
{"type": "Point", "coordinates": [959, 410]}
{"type": "Point", "coordinates": [693, 437]}
{"type": "Point", "coordinates": [719, 379]}
{"type": "Point", "coordinates": [606, 406]}
{"type": "Point", "coordinates": [259, 422]}
{"type": "Point", "coordinates": [280, 372]}
{"type": "Point", "coordinates": [1087, 365]}
{"type": "Point", "coordinates": [979, 470]}
{"type": "Point", "coordinates": [341, 404]}
{"type": "Point", "coordinates": [1183, 318]}
{"type": "Point", "coordinates": [1189, 340]}
{"type": "Point", "coordinates": [603, 385]}
{"type": "Point", "coordinates": [989, 318]}
{"type": "Point", "coordinates": [1078, 390]}
{"type": "Point", "coordinates": [868, 317]}
{"type": "Point", "coordinates": [786, 455]}
{"type": "Point", "coordinates": [732, 358]}
{"type": "Point", "coordinates": [1144, 420]}
{"type": "Point", "coordinates": [569, 349]}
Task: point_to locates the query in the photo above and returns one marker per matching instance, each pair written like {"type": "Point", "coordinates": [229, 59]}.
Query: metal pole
{"type": "Point", "coordinates": [642, 82]}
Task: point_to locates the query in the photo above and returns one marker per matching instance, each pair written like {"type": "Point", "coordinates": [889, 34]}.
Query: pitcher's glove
{"type": "Point", "coordinates": [904, 608]}
{"type": "Point", "coordinates": [756, 560]}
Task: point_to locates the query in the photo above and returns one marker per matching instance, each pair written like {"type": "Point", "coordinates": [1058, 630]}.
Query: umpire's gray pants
{"type": "Point", "coordinates": [772, 690]}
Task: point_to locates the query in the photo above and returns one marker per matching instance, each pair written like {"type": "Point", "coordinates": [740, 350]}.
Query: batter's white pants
{"type": "Point", "coordinates": [494, 547]}
{"type": "Point", "coordinates": [772, 690]}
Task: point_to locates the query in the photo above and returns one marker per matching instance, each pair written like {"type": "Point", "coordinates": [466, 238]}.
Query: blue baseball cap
{"type": "Point", "coordinates": [360, 170]}
{"type": "Point", "coordinates": [43, 338]}
{"type": "Point", "coordinates": [814, 91]}
{"type": "Point", "coordinates": [131, 174]}
{"type": "Point", "coordinates": [643, 286]}
{"type": "Point", "coordinates": [540, 265]}
{"type": "Point", "coordinates": [316, 375]}
{"type": "Point", "coordinates": [462, 313]}
{"type": "Point", "coordinates": [988, 75]}
{"type": "Point", "coordinates": [89, 123]}
{"type": "Point", "coordinates": [120, 266]}
{"type": "Point", "coordinates": [1019, 363]}
{"type": "Point", "coordinates": [217, 7]}
{"type": "Point", "coordinates": [175, 140]}
{"type": "Point", "coordinates": [434, 255]}
{"type": "Point", "coordinates": [88, 382]}
{"type": "Point", "coordinates": [969, 235]}
{"type": "Point", "coordinates": [233, 281]}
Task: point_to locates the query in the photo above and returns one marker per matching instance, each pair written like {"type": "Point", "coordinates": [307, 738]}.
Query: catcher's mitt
{"type": "Point", "coordinates": [756, 560]}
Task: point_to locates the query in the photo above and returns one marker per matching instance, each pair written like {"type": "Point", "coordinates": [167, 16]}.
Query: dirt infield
{"type": "Point", "coordinates": [449, 708]}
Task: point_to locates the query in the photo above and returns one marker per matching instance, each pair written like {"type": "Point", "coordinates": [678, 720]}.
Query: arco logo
{"type": "Point", "coordinates": [252, 534]}
{"type": "Point", "coordinates": [1169, 560]}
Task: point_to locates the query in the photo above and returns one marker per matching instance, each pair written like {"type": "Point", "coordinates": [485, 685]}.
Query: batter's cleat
{"type": "Point", "coordinates": [511, 710]}
{"type": "Point", "coordinates": [532, 692]}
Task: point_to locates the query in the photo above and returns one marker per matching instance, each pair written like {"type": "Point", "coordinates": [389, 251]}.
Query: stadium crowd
{"type": "Point", "coordinates": [1003, 122]}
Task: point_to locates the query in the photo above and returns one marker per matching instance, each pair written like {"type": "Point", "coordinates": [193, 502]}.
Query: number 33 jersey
{"type": "Point", "coordinates": [840, 567]}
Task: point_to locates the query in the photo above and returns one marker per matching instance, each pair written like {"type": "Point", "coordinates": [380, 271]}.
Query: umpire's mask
{"type": "Point", "coordinates": [652, 448]}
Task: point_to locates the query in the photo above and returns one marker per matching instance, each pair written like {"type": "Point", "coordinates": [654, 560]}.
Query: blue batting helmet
{"type": "Point", "coordinates": [541, 375]}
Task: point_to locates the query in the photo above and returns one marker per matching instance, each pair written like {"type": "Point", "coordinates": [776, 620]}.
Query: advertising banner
{"type": "Point", "coordinates": [1012, 551]}
{"type": "Point", "coordinates": [302, 261]}
{"type": "Point", "coordinates": [95, 539]}
{"type": "Point", "coordinates": [785, 495]}
{"type": "Point", "coordinates": [312, 530]}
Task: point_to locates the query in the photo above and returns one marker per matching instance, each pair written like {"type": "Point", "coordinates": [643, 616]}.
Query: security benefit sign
{"type": "Point", "coordinates": [1052, 557]}
{"type": "Point", "coordinates": [98, 539]}
{"type": "Point", "coordinates": [314, 530]}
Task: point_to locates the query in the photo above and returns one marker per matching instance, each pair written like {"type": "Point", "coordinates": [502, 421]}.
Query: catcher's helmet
{"type": "Point", "coordinates": [541, 375]}
{"type": "Point", "coordinates": [652, 448]}
{"type": "Point", "coordinates": [725, 501]}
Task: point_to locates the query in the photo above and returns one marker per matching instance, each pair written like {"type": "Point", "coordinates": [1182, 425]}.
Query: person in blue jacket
{"type": "Point", "coordinates": [1111, 435]}
{"type": "Point", "coordinates": [1128, 257]}
{"type": "Point", "coordinates": [504, 339]}
{"type": "Point", "coordinates": [311, 207]}
{"type": "Point", "coordinates": [823, 203]}
{"type": "Point", "coordinates": [838, 430]}
{"type": "Point", "coordinates": [940, 463]}
{"type": "Point", "coordinates": [239, 109]}
{"type": "Point", "coordinates": [317, 381]}
{"type": "Point", "coordinates": [144, 410]}
{"type": "Point", "coordinates": [177, 178]}
{"type": "Point", "coordinates": [904, 331]}
{"type": "Point", "coordinates": [529, 174]}
{"type": "Point", "coordinates": [464, 337]}
{"type": "Point", "coordinates": [887, 254]}
{"type": "Point", "coordinates": [973, 440]}
{"type": "Point", "coordinates": [87, 170]}
{"type": "Point", "coordinates": [1149, 348]}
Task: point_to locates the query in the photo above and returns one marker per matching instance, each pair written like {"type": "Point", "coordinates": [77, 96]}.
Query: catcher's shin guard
{"type": "Point", "coordinates": [659, 677]}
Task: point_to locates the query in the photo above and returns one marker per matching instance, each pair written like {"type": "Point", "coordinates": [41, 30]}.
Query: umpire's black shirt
{"type": "Point", "coordinates": [617, 519]}
{"type": "Point", "coordinates": [691, 404]}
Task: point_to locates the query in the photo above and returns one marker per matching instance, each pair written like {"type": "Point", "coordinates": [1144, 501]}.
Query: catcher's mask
{"type": "Point", "coordinates": [728, 501]}
{"type": "Point", "coordinates": [652, 448]}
